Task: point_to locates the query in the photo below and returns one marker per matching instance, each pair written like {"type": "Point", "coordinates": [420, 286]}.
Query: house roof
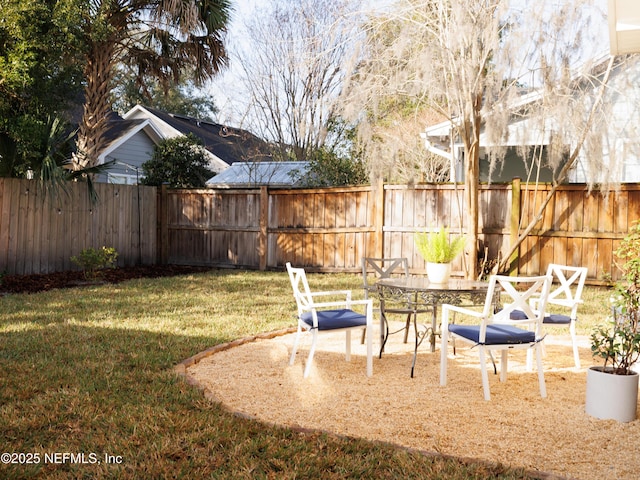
{"type": "Point", "coordinates": [228, 144]}
{"type": "Point", "coordinates": [243, 174]}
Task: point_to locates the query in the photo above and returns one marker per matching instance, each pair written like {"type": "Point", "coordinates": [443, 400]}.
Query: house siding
{"type": "Point", "coordinates": [134, 152]}
{"type": "Point", "coordinates": [614, 157]}
{"type": "Point", "coordinates": [620, 159]}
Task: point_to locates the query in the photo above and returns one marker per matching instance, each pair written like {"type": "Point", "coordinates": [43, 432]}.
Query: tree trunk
{"type": "Point", "coordinates": [471, 138]}
{"type": "Point", "coordinates": [94, 123]}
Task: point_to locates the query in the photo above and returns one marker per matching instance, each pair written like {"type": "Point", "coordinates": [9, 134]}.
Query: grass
{"type": "Point", "coordinates": [89, 370]}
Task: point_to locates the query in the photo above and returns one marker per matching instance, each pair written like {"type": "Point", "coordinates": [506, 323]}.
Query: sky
{"type": "Point", "coordinates": [225, 89]}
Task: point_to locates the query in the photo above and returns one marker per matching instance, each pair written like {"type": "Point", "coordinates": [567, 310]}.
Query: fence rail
{"type": "Point", "coordinates": [331, 229]}
{"type": "Point", "coordinates": [320, 229]}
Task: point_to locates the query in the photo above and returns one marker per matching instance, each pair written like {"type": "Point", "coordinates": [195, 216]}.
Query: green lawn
{"type": "Point", "coordinates": [89, 370]}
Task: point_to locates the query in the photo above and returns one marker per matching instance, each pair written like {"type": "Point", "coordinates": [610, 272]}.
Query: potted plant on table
{"type": "Point", "coordinates": [439, 249]}
{"type": "Point", "coordinates": [612, 389]}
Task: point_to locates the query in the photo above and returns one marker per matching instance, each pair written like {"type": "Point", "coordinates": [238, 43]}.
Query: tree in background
{"type": "Point", "coordinates": [291, 60]}
{"type": "Point", "coordinates": [40, 77]}
{"type": "Point", "coordinates": [340, 165]}
{"type": "Point", "coordinates": [156, 39]}
{"type": "Point", "coordinates": [181, 162]}
{"type": "Point", "coordinates": [179, 99]}
{"type": "Point", "coordinates": [468, 60]}
{"type": "Point", "coordinates": [390, 118]}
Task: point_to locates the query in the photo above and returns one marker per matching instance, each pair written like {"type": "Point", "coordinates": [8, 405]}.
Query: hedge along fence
{"type": "Point", "coordinates": [40, 233]}
{"type": "Point", "coordinates": [321, 229]}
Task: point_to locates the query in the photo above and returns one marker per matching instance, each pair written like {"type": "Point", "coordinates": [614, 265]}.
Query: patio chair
{"type": "Point", "coordinates": [566, 295]}
{"type": "Point", "coordinates": [319, 317]}
{"type": "Point", "coordinates": [386, 268]}
{"type": "Point", "coordinates": [497, 331]}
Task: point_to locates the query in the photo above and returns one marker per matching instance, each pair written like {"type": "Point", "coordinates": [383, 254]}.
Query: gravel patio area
{"type": "Point", "coordinates": [517, 427]}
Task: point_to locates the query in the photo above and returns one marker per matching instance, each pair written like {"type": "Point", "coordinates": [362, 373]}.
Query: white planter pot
{"type": "Point", "coordinates": [611, 396]}
{"type": "Point", "coordinates": [438, 272]}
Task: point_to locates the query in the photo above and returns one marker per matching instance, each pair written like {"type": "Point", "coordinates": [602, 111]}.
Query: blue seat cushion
{"type": "Point", "coordinates": [517, 315]}
{"type": "Point", "coordinates": [554, 318]}
{"type": "Point", "coordinates": [496, 334]}
{"type": "Point", "coordinates": [335, 319]}
{"type": "Point", "coordinates": [557, 319]}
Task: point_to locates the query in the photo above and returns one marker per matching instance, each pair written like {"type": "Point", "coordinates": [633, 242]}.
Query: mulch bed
{"type": "Point", "coordinates": [48, 281]}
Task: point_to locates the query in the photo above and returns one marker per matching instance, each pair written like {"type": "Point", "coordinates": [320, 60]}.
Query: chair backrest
{"type": "Point", "coordinates": [382, 268]}
{"type": "Point", "coordinates": [515, 295]}
{"type": "Point", "coordinates": [568, 284]}
{"type": "Point", "coordinates": [301, 290]}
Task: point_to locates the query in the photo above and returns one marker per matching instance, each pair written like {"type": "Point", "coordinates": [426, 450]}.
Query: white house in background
{"type": "Point", "coordinates": [624, 26]}
{"type": "Point", "coordinates": [254, 174]}
{"type": "Point", "coordinates": [619, 140]}
{"type": "Point", "coordinates": [132, 138]}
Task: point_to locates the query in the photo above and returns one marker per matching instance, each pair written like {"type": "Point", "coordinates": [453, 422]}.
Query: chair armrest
{"type": "Point", "coordinates": [346, 304]}
{"type": "Point", "coordinates": [347, 293]}
{"type": "Point", "coordinates": [446, 307]}
{"type": "Point", "coordinates": [337, 303]}
{"type": "Point", "coordinates": [564, 303]}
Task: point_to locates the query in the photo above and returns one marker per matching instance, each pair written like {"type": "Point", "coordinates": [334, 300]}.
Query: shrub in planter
{"type": "Point", "coordinates": [439, 249]}
{"type": "Point", "coordinates": [618, 342]}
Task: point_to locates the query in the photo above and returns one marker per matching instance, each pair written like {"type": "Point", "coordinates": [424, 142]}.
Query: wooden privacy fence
{"type": "Point", "coordinates": [40, 233]}
{"type": "Point", "coordinates": [320, 229]}
{"type": "Point", "coordinates": [331, 229]}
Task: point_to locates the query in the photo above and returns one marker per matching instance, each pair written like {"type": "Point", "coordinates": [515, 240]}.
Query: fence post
{"type": "Point", "coordinates": [378, 220]}
{"type": "Point", "coordinates": [514, 224]}
{"type": "Point", "coordinates": [264, 224]}
{"type": "Point", "coordinates": [163, 226]}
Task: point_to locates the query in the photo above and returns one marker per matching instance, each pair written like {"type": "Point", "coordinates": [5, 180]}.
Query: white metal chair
{"type": "Point", "coordinates": [386, 268]}
{"type": "Point", "coordinates": [318, 317]}
{"type": "Point", "coordinates": [497, 331]}
{"type": "Point", "coordinates": [565, 295]}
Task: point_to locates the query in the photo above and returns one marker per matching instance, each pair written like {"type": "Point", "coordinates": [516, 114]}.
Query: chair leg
{"type": "Point", "coordinates": [369, 333]}
{"type": "Point", "coordinates": [347, 347]}
{"type": "Point", "coordinates": [443, 357]}
{"type": "Point", "coordinates": [406, 328]}
{"type": "Point", "coordinates": [312, 351]}
{"type": "Point", "coordinates": [574, 342]}
{"type": "Point", "coordinates": [295, 346]}
{"type": "Point", "coordinates": [504, 365]}
{"type": "Point", "coordinates": [483, 371]}
{"type": "Point", "coordinates": [543, 388]}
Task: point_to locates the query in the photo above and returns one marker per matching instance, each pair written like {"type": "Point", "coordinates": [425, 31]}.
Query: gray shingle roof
{"type": "Point", "coordinates": [227, 143]}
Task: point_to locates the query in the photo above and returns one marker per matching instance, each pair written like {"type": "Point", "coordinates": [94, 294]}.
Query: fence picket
{"type": "Point", "coordinates": [321, 229]}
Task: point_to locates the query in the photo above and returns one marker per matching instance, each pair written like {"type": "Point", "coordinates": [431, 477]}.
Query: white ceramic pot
{"type": "Point", "coordinates": [611, 396]}
{"type": "Point", "coordinates": [438, 272]}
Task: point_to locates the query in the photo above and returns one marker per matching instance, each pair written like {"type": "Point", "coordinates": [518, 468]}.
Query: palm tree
{"type": "Point", "coordinates": [161, 39]}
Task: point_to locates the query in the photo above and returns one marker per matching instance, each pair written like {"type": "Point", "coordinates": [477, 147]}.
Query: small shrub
{"type": "Point", "coordinates": [618, 343]}
{"type": "Point", "coordinates": [93, 260]}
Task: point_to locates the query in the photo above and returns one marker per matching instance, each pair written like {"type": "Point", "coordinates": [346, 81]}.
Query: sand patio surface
{"type": "Point", "coordinates": [517, 427]}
